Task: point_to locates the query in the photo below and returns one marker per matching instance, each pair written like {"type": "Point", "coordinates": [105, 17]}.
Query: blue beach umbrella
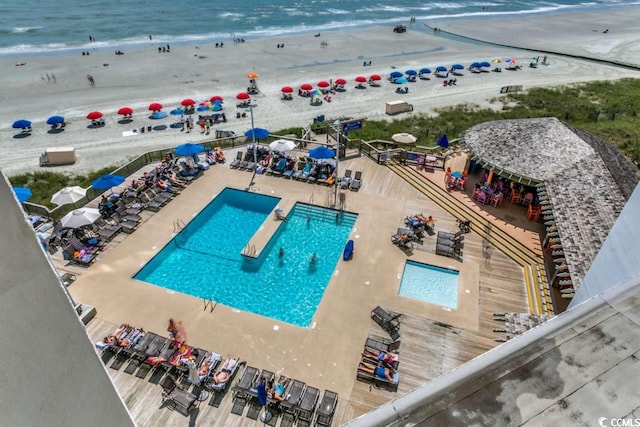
{"type": "Point", "coordinates": [443, 141]}
{"type": "Point", "coordinates": [425, 71]}
{"type": "Point", "coordinates": [257, 133]}
{"type": "Point", "coordinates": [475, 65]}
{"type": "Point", "coordinates": [107, 181]}
{"type": "Point", "coordinates": [22, 193]}
{"type": "Point", "coordinates": [55, 120]}
{"type": "Point", "coordinates": [395, 74]}
{"type": "Point", "coordinates": [176, 112]}
{"type": "Point", "coordinates": [21, 124]}
{"type": "Point", "coordinates": [411, 72]}
{"type": "Point", "coordinates": [457, 67]}
{"type": "Point", "coordinates": [485, 64]}
{"type": "Point", "coordinates": [158, 115]}
{"type": "Point", "coordinates": [441, 68]}
{"type": "Point", "coordinates": [322, 152]}
{"type": "Point", "coordinates": [401, 80]}
{"type": "Point", "coordinates": [203, 108]}
{"type": "Point", "coordinates": [189, 149]}
{"type": "Point", "coordinates": [217, 106]}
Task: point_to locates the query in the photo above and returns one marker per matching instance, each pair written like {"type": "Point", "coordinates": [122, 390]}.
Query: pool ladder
{"type": "Point", "coordinates": [209, 302]}
{"type": "Point", "coordinates": [178, 225]}
{"type": "Point", "coordinates": [249, 250]}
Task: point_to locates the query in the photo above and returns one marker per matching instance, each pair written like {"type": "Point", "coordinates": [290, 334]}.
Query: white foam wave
{"type": "Point", "coordinates": [19, 30]}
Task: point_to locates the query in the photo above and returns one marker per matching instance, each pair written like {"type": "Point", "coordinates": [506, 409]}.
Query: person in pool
{"type": "Point", "coordinates": [313, 258]}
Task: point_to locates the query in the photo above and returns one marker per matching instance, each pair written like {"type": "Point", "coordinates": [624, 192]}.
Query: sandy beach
{"type": "Point", "coordinates": [141, 77]}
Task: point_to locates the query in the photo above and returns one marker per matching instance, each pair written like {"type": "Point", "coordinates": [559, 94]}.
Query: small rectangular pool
{"type": "Point", "coordinates": [428, 283]}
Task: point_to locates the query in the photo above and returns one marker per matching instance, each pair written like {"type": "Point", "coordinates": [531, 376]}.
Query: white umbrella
{"type": "Point", "coordinates": [283, 145]}
{"type": "Point", "coordinates": [404, 138]}
{"type": "Point", "coordinates": [80, 217]}
{"type": "Point", "coordinates": [194, 378]}
{"type": "Point", "coordinates": [68, 195]}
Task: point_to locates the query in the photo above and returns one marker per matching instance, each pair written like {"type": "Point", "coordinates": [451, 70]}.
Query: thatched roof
{"type": "Point", "coordinates": [579, 175]}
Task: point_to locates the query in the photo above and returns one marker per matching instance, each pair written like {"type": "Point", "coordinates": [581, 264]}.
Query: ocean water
{"type": "Point", "coordinates": [64, 26]}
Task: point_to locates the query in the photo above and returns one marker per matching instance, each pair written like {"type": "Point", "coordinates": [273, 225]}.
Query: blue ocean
{"type": "Point", "coordinates": [33, 26]}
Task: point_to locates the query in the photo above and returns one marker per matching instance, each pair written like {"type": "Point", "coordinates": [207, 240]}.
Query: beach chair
{"type": "Point", "coordinates": [326, 409]}
{"type": "Point", "coordinates": [387, 322]}
{"type": "Point", "coordinates": [382, 345]}
{"type": "Point", "coordinates": [219, 390]}
{"type": "Point", "coordinates": [278, 170]}
{"type": "Point", "coordinates": [357, 182]}
{"type": "Point", "coordinates": [307, 406]}
{"type": "Point", "coordinates": [241, 390]}
{"type": "Point", "coordinates": [361, 375]}
{"type": "Point", "coordinates": [288, 408]}
{"type": "Point", "coordinates": [302, 176]}
{"type": "Point", "coordinates": [346, 179]}
{"type": "Point", "coordinates": [178, 398]}
{"type": "Point", "coordinates": [252, 394]}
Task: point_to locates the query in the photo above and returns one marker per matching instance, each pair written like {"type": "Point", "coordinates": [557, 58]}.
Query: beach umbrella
{"type": "Point", "coordinates": [203, 108]}
{"type": "Point", "coordinates": [94, 115]}
{"type": "Point", "coordinates": [282, 145]}
{"type": "Point", "coordinates": [158, 115]}
{"type": "Point", "coordinates": [187, 101]}
{"type": "Point", "coordinates": [80, 217]}
{"type": "Point", "coordinates": [401, 80]}
{"type": "Point", "coordinates": [189, 149]}
{"type": "Point", "coordinates": [155, 106]}
{"type": "Point", "coordinates": [375, 77]}
{"type": "Point", "coordinates": [404, 138]}
{"type": "Point", "coordinates": [341, 82]}
{"type": "Point", "coordinates": [443, 141]}
{"type": "Point", "coordinates": [286, 89]}
{"type": "Point", "coordinates": [21, 124]}
{"type": "Point", "coordinates": [475, 65]}
{"type": "Point", "coordinates": [55, 120]}
{"type": "Point", "coordinates": [322, 152]}
{"type": "Point", "coordinates": [323, 83]}
{"type": "Point", "coordinates": [361, 79]}
{"type": "Point", "coordinates": [216, 106]}
{"type": "Point", "coordinates": [441, 68]}
{"type": "Point", "coordinates": [176, 112]}
{"type": "Point", "coordinates": [457, 67]}
{"type": "Point", "coordinates": [22, 193]}
{"type": "Point", "coordinates": [68, 195]}
{"type": "Point", "coordinates": [485, 64]}
{"type": "Point", "coordinates": [411, 72]}
{"type": "Point", "coordinates": [425, 71]}
{"type": "Point", "coordinates": [107, 181]}
{"type": "Point", "coordinates": [510, 61]}
{"type": "Point", "coordinates": [395, 74]}
{"type": "Point", "coordinates": [306, 86]}
{"type": "Point", "coordinates": [497, 61]}
{"type": "Point", "coordinates": [243, 96]}
{"type": "Point", "coordinates": [125, 111]}
{"type": "Point", "coordinates": [257, 133]}
{"type": "Point", "coordinates": [253, 75]}
{"type": "Point", "coordinates": [215, 98]}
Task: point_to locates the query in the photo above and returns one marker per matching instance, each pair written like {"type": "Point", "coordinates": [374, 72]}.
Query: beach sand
{"type": "Point", "coordinates": [141, 77]}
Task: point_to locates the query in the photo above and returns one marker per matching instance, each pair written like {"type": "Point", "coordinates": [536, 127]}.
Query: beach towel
{"type": "Point", "coordinates": [132, 132]}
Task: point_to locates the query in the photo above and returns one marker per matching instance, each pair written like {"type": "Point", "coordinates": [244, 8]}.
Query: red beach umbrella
{"type": "Point", "coordinates": [242, 96]}
{"type": "Point", "coordinates": [216, 98]}
{"type": "Point", "coordinates": [286, 89]}
{"type": "Point", "coordinates": [125, 111]}
{"type": "Point", "coordinates": [341, 82]}
{"type": "Point", "coordinates": [323, 83]}
{"type": "Point", "coordinates": [361, 79]}
{"type": "Point", "coordinates": [94, 115]}
{"type": "Point", "coordinates": [186, 102]}
{"type": "Point", "coordinates": [155, 106]}
{"type": "Point", "coordinates": [375, 77]}
{"type": "Point", "coordinates": [306, 86]}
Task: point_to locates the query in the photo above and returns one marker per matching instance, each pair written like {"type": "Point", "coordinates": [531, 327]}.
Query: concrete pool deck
{"type": "Point", "coordinates": [326, 354]}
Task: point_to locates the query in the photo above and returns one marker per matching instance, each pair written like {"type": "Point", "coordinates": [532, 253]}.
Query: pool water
{"type": "Point", "coordinates": [204, 260]}
{"type": "Point", "coordinates": [430, 284]}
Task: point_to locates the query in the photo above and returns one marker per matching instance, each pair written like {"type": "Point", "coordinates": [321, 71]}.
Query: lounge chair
{"type": "Point", "coordinates": [236, 162]}
{"type": "Point", "coordinates": [288, 170]}
{"type": "Point", "coordinates": [327, 408]}
{"type": "Point", "coordinates": [161, 348]}
{"type": "Point", "coordinates": [346, 179]}
{"type": "Point", "coordinates": [294, 396]}
{"type": "Point", "coordinates": [314, 174]}
{"type": "Point", "coordinates": [307, 406]}
{"type": "Point", "coordinates": [219, 389]}
{"type": "Point", "coordinates": [68, 254]}
{"type": "Point", "coordinates": [303, 167]}
{"type": "Point", "coordinates": [108, 232]}
{"type": "Point", "coordinates": [377, 344]}
{"type": "Point", "coordinates": [387, 322]}
{"type": "Point", "coordinates": [241, 390]}
{"type": "Point", "coordinates": [278, 169]}
{"type": "Point", "coordinates": [379, 382]}
{"type": "Point", "coordinates": [177, 397]}
{"type": "Point", "coordinates": [357, 182]}
{"type": "Point", "coordinates": [252, 395]}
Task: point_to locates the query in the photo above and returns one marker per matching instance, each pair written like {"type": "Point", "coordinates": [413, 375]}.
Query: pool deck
{"type": "Point", "coordinates": [326, 354]}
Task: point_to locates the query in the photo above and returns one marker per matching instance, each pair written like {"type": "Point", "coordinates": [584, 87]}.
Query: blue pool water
{"type": "Point", "coordinates": [204, 259]}
{"type": "Point", "coordinates": [430, 284]}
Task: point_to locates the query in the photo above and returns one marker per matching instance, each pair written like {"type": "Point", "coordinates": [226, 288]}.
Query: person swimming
{"type": "Point", "coordinates": [281, 252]}
{"type": "Point", "coordinates": [313, 258]}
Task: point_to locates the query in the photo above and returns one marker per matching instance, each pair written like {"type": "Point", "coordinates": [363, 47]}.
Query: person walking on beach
{"type": "Point", "coordinates": [201, 124]}
{"type": "Point", "coordinates": [189, 124]}
{"type": "Point", "coordinates": [53, 77]}
{"type": "Point", "coordinates": [207, 125]}
{"type": "Point", "coordinates": [92, 82]}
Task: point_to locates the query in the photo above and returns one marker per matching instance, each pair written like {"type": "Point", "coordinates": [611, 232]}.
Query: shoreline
{"type": "Point", "coordinates": [141, 77]}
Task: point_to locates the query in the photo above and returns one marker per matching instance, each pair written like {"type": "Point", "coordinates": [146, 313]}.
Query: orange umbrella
{"type": "Point", "coordinates": [253, 75]}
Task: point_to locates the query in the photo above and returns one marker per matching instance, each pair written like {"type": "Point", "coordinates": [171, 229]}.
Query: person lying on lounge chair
{"type": "Point", "coordinates": [277, 390]}
{"type": "Point", "coordinates": [377, 371]}
{"type": "Point", "coordinates": [221, 376]}
{"type": "Point", "coordinates": [384, 357]}
{"type": "Point", "coordinates": [124, 336]}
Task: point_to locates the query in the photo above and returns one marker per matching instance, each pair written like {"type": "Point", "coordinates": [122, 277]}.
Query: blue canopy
{"type": "Point", "coordinates": [425, 71]}
{"type": "Point", "coordinates": [457, 67]}
{"type": "Point", "coordinates": [395, 74]}
{"type": "Point", "coordinates": [400, 80]}
{"type": "Point", "coordinates": [217, 106]}
{"type": "Point", "coordinates": [55, 120]}
{"type": "Point", "coordinates": [203, 108]}
{"type": "Point", "coordinates": [485, 64]}
{"type": "Point", "coordinates": [107, 181]}
{"type": "Point", "coordinates": [158, 115]}
{"type": "Point", "coordinates": [475, 65]}
{"type": "Point", "coordinates": [441, 68]}
{"type": "Point", "coordinates": [322, 152]}
{"type": "Point", "coordinates": [411, 72]}
{"type": "Point", "coordinates": [443, 141]}
{"type": "Point", "coordinates": [177, 112]}
{"type": "Point", "coordinates": [22, 193]}
{"type": "Point", "coordinates": [189, 149]}
{"type": "Point", "coordinates": [257, 133]}
{"type": "Point", "coordinates": [21, 124]}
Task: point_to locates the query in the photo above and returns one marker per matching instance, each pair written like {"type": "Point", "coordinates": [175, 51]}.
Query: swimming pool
{"type": "Point", "coordinates": [430, 284]}
{"type": "Point", "coordinates": [204, 260]}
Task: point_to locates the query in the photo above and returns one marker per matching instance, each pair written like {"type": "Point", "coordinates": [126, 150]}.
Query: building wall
{"type": "Point", "coordinates": [51, 375]}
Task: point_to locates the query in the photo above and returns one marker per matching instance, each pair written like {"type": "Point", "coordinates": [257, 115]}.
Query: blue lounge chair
{"type": "Point", "coordinates": [304, 174]}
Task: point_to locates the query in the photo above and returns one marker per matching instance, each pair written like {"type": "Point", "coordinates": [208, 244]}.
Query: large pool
{"type": "Point", "coordinates": [430, 284]}
{"type": "Point", "coordinates": [204, 260]}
